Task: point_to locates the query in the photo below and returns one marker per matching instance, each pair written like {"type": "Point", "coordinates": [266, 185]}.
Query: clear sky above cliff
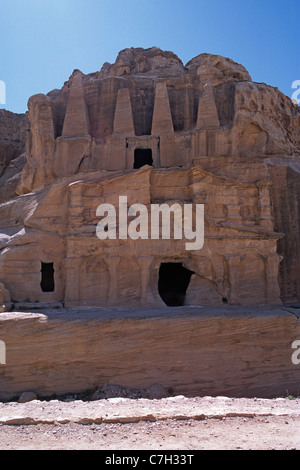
{"type": "Point", "coordinates": [43, 41]}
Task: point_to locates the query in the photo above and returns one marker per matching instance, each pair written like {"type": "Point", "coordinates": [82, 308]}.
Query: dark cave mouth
{"type": "Point", "coordinates": [173, 282]}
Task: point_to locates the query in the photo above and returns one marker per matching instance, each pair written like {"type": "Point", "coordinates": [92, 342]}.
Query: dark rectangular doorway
{"type": "Point", "coordinates": [142, 157]}
{"type": "Point", "coordinates": [47, 274]}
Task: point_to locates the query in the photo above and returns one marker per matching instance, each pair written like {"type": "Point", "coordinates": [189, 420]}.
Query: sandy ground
{"type": "Point", "coordinates": [175, 423]}
{"type": "Point", "coordinates": [213, 434]}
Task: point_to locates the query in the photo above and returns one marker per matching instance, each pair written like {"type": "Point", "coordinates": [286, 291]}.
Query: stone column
{"type": "Point", "coordinates": [75, 207]}
{"type": "Point", "coordinates": [234, 137]}
{"type": "Point", "coordinates": [113, 293]}
{"type": "Point", "coordinates": [5, 303]}
{"type": "Point", "coordinates": [233, 207]}
{"type": "Point", "coordinates": [233, 263]}
{"type": "Point", "coordinates": [130, 146]}
{"type": "Point", "coordinates": [264, 205]}
{"type": "Point", "coordinates": [200, 143]}
{"type": "Point", "coordinates": [145, 264]}
{"type": "Point", "coordinates": [272, 290]}
{"type": "Point", "coordinates": [72, 291]}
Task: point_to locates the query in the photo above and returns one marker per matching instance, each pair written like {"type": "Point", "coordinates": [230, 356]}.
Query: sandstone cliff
{"type": "Point", "coordinates": [14, 129]}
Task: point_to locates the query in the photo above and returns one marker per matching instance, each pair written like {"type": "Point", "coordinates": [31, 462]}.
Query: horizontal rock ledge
{"type": "Point", "coordinates": [195, 351]}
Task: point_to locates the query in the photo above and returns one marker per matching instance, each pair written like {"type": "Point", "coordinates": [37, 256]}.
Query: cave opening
{"type": "Point", "coordinates": [47, 277]}
{"type": "Point", "coordinates": [142, 157]}
{"type": "Point", "coordinates": [173, 282]}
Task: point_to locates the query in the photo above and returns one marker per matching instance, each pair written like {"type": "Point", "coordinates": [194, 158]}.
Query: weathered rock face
{"type": "Point", "coordinates": [148, 99]}
{"type": "Point", "coordinates": [14, 129]}
{"type": "Point", "coordinates": [197, 352]}
{"type": "Point", "coordinates": [156, 131]}
{"type": "Point", "coordinates": [57, 226]}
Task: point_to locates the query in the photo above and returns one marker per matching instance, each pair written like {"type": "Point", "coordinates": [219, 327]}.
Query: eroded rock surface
{"type": "Point", "coordinates": [14, 129]}
{"type": "Point", "coordinates": [195, 351]}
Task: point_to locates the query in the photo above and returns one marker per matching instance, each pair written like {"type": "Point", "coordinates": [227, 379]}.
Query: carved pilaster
{"type": "Point", "coordinates": [272, 289]}
{"type": "Point", "coordinates": [145, 264]}
{"type": "Point", "coordinates": [113, 293]}
{"type": "Point", "coordinates": [264, 205]}
{"type": "Point", "coordinates": [72, 292]}
{"type": "Point", "coordinates": [233, 263]}
{"type": "Point", "coordinates": [5, 303]}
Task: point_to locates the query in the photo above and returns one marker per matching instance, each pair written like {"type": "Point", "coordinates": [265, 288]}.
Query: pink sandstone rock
{"type": "Point", "coordinates": [208, 134]}
{"type": "Point", "coordinates": [155, 131]}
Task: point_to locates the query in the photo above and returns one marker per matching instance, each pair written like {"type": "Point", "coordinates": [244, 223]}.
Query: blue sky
{"type": "Point", "coordinates": [43, 41]}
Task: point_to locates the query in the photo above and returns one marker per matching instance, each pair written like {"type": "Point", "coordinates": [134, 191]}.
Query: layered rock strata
{"type": "Point", "coordinates": [239, 352]}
